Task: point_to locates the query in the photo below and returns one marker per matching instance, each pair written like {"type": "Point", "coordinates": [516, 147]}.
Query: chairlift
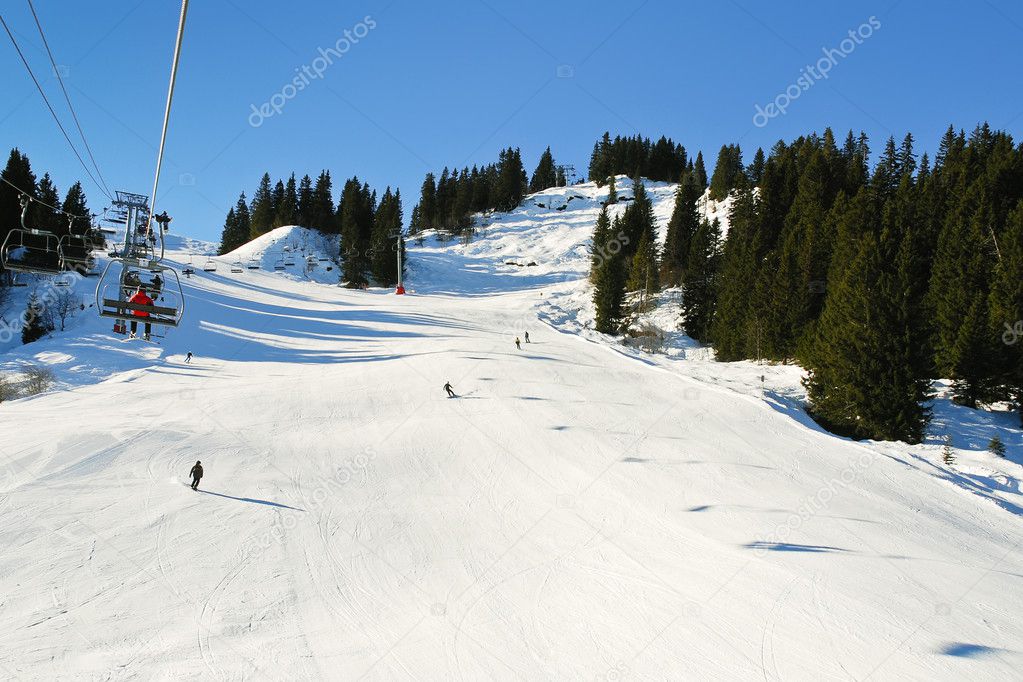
{"type": "Point", "coordinates": [254, 264]}
{"type": "Point", "coordinates": [159, 282]}
{"type": "Point", "coordinates": [312, 261]}
{"type": "Point", "coordinates": [62, 281]}
{"type": "Point", "coordinates": [210, 265]}
{"type": "Point", "coordinates": [236, 267]}
{"type": "Point", "coordinates": [279, 264]}
{"type": "Point", "coordinates": [75, 253]}
{"type": "Point", "coordinates": [289, 261]}
{"type": "Point", "coordinates": [31, 251]}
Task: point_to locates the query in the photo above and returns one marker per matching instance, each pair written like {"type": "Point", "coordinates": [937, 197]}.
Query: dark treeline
{"type": "Point", "coordinates": [18, 172]}
{"type": "Point", "coordinates": [876, 280]}
{"type": "Point", "coordinates": [638, 157]}
{"type": "Point", "coordinates": [369, 230]}
{"type": "Point", "coordinates": [449, 203]}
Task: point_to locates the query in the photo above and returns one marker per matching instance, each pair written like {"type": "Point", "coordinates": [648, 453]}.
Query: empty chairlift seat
{"type": "Point", "coordinates": [32, 251]}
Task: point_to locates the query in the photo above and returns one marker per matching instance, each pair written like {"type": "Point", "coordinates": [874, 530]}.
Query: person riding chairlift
{"type": "Point", "coordinates": [140, 298]}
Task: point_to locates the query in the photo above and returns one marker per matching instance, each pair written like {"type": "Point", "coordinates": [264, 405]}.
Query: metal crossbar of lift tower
{"type": "Point", "coordinates": [131, 199]}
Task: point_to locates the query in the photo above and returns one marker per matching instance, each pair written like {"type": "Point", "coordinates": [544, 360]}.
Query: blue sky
{"type": "Point", "coordinates": [451, 83]}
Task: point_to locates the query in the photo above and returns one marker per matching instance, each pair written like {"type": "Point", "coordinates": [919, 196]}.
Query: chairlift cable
{"type": "Point", "coordinates": [49, 106]}
{"type": "Point", "coordinates": [67, 98]}
{"type": "Point", "coordinates": [167, 110]}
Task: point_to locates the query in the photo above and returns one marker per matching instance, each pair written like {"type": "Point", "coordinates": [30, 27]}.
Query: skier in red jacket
{"type": "Point", "coordinates": [140, 298]}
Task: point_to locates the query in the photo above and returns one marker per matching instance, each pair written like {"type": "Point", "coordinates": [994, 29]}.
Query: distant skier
{"type": "Point", "coordinates": [518, 344]}
{"type": "Point", "coordinates": [196, 474]}
{"type": "Point", "coordinates": [188, 358]}
{"type": "Point", "coordinates": [526, 335]}
{"type": "Point", "coordinates": [449, 390]}
{"type": "Point", "coordinates": [140, 298]}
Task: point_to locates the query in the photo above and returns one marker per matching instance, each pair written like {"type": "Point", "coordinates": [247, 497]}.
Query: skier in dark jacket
{"type": "Point", "coordinates": [450, 391]}
{"type": "Point", "coordinates": [518, 344]}
{"type": "Point", "coordinates": [196, 474]}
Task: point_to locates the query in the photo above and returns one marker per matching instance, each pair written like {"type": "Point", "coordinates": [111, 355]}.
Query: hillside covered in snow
{"type": "Point", "coordinates": [585, 509]}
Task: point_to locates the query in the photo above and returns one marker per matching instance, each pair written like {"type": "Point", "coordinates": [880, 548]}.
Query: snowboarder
{"type": "Point", "coordinates": [196, 474]}
{"type": "Point", "coordinates": [518, 344]}
{"type": "Point", "coordinates": [140, 298]}
{"type": "Point", "coordinates": [188, 358]}
{"type": "Point", "coordinates": [526, 335]}
{"type": "Point", "coordinates": [449, 390]}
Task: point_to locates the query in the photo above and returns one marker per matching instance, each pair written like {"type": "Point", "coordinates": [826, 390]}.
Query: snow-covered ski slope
{"type": "Point", "coordinates": [582, 511]}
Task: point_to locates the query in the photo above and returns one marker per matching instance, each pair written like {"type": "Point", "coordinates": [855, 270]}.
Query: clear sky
{"type": "Point", "coordinates": [415, 86]}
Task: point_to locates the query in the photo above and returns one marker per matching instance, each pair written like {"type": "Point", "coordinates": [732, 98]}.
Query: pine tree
{"type": "Point", "coordinates": [545, 175]}
{"type": "Point", "coordinates": [37, 323]}
{"type": "Point", "coordinates": [305, 202]}
{"type": "Point", "coordinates": [322, 216]}
{"type": "Point", "coordinates": [428, 203]}
{"type": "Point", "coordinates": [755, 172]}
{"type": "Point", "coordinates": [964, 348]}
{"type": "Point", "coordinates": [996, 447]}
{"type": "Point", "coordinates": [600, 243]}
{"type": "Point", "coordinates": [684, 222]}
{"type": "Point", "coordinates": [44, 217]}
{"type": "Point", "coordinates": [356, 213]}
{"type": "Point", "coordinates": [287, 210]}
{"type": "Point", "coordinates": [726, 171]}
{"type": "Point", "coordinates": [609, 288]}
{"type": "Point", "coordinates": [699, 285]}
{"type": "Point", "coordinates": [226, 235]}
{"type": "Point", "coordinates": [701, 172]}
{"type": "Point", "coordinates": [75, 204]}
{"type": "Point", "coordinates": [261, 210]}
{"type": "Point", "coordinates": [387, 239]}
{"type": "Point", "coordinates": [277, 203]}
{"type": "Point", "coordinates": [732, 323]}
{"type": "Point", "coordinates": [861, 381]}
{"type": "Point", "coordinates": [612, 192]}
{"type": "Point", "coordinates": [1006, 305]}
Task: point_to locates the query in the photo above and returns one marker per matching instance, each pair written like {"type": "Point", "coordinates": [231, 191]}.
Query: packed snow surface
{"type": "Point", "coordinates": [583, 510]}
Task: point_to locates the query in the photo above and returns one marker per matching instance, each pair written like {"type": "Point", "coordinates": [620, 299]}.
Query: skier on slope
{"type": "Point", "coordinates": [518, 344]}
{"type": "Point", "coordinates": [526, 336]}
{"type": "Point", "coordinates": [140, 298]}
{"type": "Point", "coordinates": [449, 390]}
{"type": "Point", "coordinates": [196, 474]}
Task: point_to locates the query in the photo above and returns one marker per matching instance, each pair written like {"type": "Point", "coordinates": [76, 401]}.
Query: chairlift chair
{"type": "Point", "coordinates": [289, 261]}
{"type": "Point", "coordinates": [32, 251]}
{"type": "Point", "coordinates": [236, 267]}
{"type": "Point", "coordinates": [279, 264]}
{"type": "Point", "coordinates": [210, 265]}
{"type": "Point", "coordinates": [254, 264]}
{"type": "Point", "coordinates": [75, 253]}
{"type": "Point", "coordinates": [116, 288]}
